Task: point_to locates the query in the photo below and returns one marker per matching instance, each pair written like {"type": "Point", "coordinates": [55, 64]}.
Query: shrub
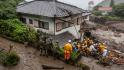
{"type": "Point", "coordinates": [113, 18]}
{"type": "Point", "coordinates": [17, 31]}
{"type": "Point", "coordinates": [2, 57]}
{"type": "Point", "coordinates": [118, 10]}
{"type": "Point", "coordinates": [97, 13]}
{"type": "Point", "coordinates": [9, 59]}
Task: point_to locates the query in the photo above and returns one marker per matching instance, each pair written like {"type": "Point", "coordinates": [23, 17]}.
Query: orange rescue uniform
{"type": "Point", "coordinates": [67, 51]}
{"type": "Point", "coordinates": [101, 48]}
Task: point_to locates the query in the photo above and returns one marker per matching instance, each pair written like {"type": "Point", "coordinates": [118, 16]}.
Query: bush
{"type": "Point", "coordinates": [118, 10]}
{"type": "Point", "coordinates": [97, 13]}
{"type": "Point", "coordinates": [113, 18]}
{"type": "Point", "coordinates": [9, 59]}
{"type": "Point", "coordinates": [17, 31]}
{"type": "Point", "coordinates": [12, 59]}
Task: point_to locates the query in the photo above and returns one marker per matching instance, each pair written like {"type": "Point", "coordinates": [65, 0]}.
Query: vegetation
{"type": "Point", "coordinates": [10, 26]}
{"type": "Point", "coordinates": [118, 10]}
{"type": "Point", "coordinates": [8, 8]}
{"type": "Point", "coordinates": [113, 18]}
{"type": "Point", "coordinates": [117, 13]}
{"type": "Point", "coordinates": [17, 31]}
{"type": "Point", "coordinates": [9, 59]}
{"type": "Point", "coordinates": [97, 13]}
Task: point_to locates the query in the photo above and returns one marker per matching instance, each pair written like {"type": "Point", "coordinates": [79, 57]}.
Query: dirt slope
{"type": "Point", "coordinates": [30, 59]}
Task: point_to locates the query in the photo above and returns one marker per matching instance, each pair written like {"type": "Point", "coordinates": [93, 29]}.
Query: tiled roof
{"type": "Point", "coordinates": [48, 8]}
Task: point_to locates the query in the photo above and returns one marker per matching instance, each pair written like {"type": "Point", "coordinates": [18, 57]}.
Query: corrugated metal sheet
{"type": "Point", "coordinates": [48, 8]}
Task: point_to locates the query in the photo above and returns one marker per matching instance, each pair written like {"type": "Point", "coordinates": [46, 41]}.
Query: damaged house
{"type": "Point", "coordinates": [51, 16]}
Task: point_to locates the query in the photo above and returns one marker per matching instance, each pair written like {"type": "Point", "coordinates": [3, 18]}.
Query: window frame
{"type": "Point", "coordinates": [30, 21]}
{"type": "Point", "coordinates": [23, 20]}
{"type": "Point", "coordinates": [41, 24]}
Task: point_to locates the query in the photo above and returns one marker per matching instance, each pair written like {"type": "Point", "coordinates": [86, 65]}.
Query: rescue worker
{"type": "Point", "coordinates": [89, 42]}
{"type": "Point", "coordinates": [67, 51]}
{"type": "Point", "coordinates": [85, 42]}
{"type": "Point", "coordinates": [105, 52]}
{"type": "Point", "coordinates": [92, 48]}
{"type": "Point", "coordinates": [102, 49]}
{"type": "Point", "coordinates": [78, 45]}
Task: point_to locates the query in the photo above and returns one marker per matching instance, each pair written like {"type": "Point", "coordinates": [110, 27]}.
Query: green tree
{"type": "Point", "coordinates": [8, 8]}
{"type": "Point", "coordinates": [118, 10]}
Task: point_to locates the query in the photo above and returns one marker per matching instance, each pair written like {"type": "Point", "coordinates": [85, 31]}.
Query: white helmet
{"type": "Point", "coordinates": [69, 41]}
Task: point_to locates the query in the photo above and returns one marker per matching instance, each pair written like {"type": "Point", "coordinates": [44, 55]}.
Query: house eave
{"type": "Point", "coordinates": [47, 16]}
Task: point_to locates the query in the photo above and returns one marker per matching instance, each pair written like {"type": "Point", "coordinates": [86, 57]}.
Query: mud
{"type": "Point", "coordinates": [30, 59]}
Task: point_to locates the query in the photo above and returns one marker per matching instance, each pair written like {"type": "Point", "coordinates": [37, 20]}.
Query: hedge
{"type": "Point", "coordinates": [17, 31]}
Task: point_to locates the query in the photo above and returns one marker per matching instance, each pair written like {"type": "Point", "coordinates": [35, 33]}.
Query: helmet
{"type": "Point", "coordinates": [69, 41]}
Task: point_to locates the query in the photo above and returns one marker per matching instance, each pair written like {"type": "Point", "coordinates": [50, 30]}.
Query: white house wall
{"type": "Point", "coordinates": [71, 29]}
{"type": "Point", "coordinates": [35, 23]}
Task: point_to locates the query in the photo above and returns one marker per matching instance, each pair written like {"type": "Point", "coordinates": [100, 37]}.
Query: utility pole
{"type": "Point", "coordinates": [54, 1]}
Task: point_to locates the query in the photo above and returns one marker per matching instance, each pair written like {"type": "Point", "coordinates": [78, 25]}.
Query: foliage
{"type": "Point", "coordinates": [118, 10]}
{"type": "Point", "coordinates": [74, 55]}
{"type": "Point", "coordinates": [97, 13]}
{"type": "Point", "coordinates": [8, 8]}
{"type": "Point", "coordinates": [9, 59]}
{"type": "Point", "coordinates": [17, 31]}
{"type": "Point", "coordinates": [113, 18]}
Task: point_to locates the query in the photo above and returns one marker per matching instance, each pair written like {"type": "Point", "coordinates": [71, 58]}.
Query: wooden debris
{"type": "Point", "coordinates": [120, 62]}
{"type": "Point", "coordinates": [51, 67]}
